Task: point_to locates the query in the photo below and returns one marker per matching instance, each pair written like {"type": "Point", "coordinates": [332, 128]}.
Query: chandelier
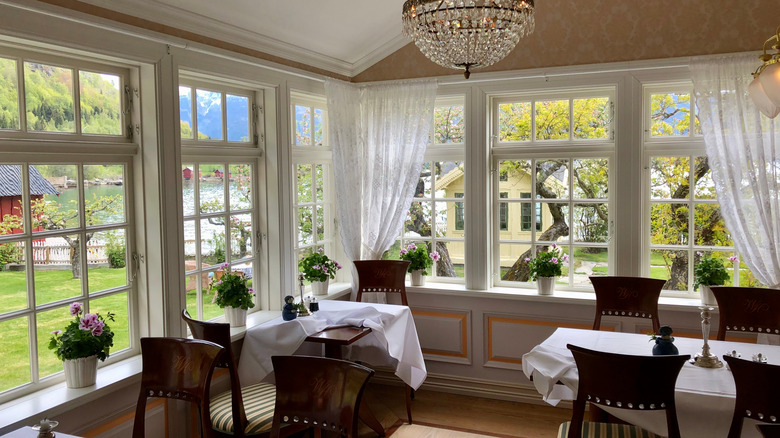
{"type": "Point", "coordinates": [765, 88]}
{"type": "Point", "coordinates": [467, 34]}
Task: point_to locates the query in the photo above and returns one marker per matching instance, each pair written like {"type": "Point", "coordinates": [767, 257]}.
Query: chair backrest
{"type": "Point", "coordinates": [758, 386]}
{"type": "Point", "coordinates": [747, 309]}
{"type": "Point", "coordinates": [603, 378]}
{"type": "Point", "coordinates": [219, 333]}
{"type": "Point", "coordinates": [769, 430]}
{"type": "Point", "coordinates": [634, 297]}
{"type": "Point", "coordinates": [176, 368]}
{"type": "Point", "coordinates": [318, 392]}
{"type": "Point", "coordinates": [385, 276]}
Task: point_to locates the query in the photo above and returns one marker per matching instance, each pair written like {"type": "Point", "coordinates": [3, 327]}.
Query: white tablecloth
{"type": "Point", "coordinates": [392, 342]}
{"type": "Point", "coordinates": [704, 397]}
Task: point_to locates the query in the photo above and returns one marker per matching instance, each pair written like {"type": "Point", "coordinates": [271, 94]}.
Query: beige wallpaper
{"type": "Point", "coordinates": [598, 31]}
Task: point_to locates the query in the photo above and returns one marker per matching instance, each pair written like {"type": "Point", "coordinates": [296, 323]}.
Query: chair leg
{"type": "Point", "coordinates": [409, 391]}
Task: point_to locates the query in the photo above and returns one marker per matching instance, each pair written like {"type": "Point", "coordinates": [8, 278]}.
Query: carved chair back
{"type": "Point", "coordinates": [634, 297]}
{"type": "Point", "coordinates": [385, 276]}
{"type": "Point", "coordinates": [747, 309]}
{"type": "Point", "coordinates": [758, 386]}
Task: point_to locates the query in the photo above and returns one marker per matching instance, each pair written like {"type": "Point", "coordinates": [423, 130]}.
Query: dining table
{"type": "Point", "coordinates": [704, 396]}
{"type": "Point", "coordinates": [392, 341]}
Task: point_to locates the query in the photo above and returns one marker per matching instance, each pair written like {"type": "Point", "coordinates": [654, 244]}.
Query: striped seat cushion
{"type": "Point", "coordinates": [604, 430]}
{"type": "Point", "coordinates": [259, 401]}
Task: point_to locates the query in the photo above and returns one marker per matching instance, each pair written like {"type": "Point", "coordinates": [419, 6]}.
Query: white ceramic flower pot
{"type": "Point", "coordinates": [707, 297]}
{"type": "Point", "coordinates": [319, 288]}
{"type": "Point", "coordinates": [545, 285]}
{"type": "Point", "coordinates": [418, 279]}
{"type": "Point", "coordinates": [235, 316]}
{"type": "Point", "coordinates": [80, 372]}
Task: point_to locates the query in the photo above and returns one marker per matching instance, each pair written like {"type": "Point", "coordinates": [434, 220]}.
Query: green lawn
{"type": "Point", "coordinates": [52, 286]}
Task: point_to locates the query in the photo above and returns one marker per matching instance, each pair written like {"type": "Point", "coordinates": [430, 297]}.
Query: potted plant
{"type": "Point", "coordinates": [85, 340]}
{"type": "Point", "coordinates": [545, 267]}
{"type": "Point", "coordinates": [232, 293]}
{"type": "Point", "coordinates": [319, 269]}
{"type": "Point", "coordinates": [708, 272]}
{"type": "Point", "coordinates": [420, 260]}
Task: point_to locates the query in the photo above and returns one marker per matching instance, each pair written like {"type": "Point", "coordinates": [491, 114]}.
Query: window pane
{"type": "Point", "coordinates": [442, 208]}
{"type": "Point", "coordinates": [116, 304]}
{"type": "Point", "coordinates": [424, 184]}
{"type": "Point", "coordinates": [13, 281]}
{"type": "Point", "coordinates": [54, 197]}
{"type": "Point", "coordinates": [48, 92]}
{"type": "Point", "coordinates": [747, 278]}
{"type": "Point", "coordinates": [304, 183]}
{"type": "Point", "coordinates": [670, 114]}
{"type": "Point", "coordinates": [11, 197]}
{"type": "Point", "coordinates": [15, 345]}
{"type": "Point", "coordinates": [212, 188]}
{"type": "Point", "coordinates": [104, 194]}
{"type": "Point", "coordinates": [302, 125]}
{"type": "Point", "coordinates": [514, 121]}
{"type": "Point", "coordinates": [552, 179]}
{"type": "Point", "coordinates": [669, 177]}
{"type": "Point", "coordinates": [448, 124]}
{"type": "Point", "coordinates": [190, 246]}
{"type": "Point", "coordinates": [709, 226]}
{"type": "Point", "coordinates": [459, 217]}
{"type": "Point", "coordinates": [57, 268]}
{"type": "Point", "coordinates": [418, 221]}
{"type": "Point", "coordinates": [591, 178]}
{"type": "Point", "coordinates": [591, 223]}
{"type": "Point", "coordinates": [210, 309]}
{"type": "Point", "coordinates": [9, 100]}
{"type": "Point", "coordinates": [48, 321]}
{"type": "Point", "coordinates": [240, 186]}
{"type": "Point", "coordinates": [320, 223]}
{"type": "Point", "coordinates": [185, 112]}
{"type": "Point", "coordinates": [101, 103]}
{"type": "Point", "coordinates": [319, 180]}
{"type": "Point", "coordinates": [209, 105]}
{"type": "Point", "coordinates": [591, 118]}
{"type": "Point", "coordinates": [237, 118]}
{"type": "Point", "coordinates": [191, 286]}
{"type": "Point", "coordinates": [451, 259]}
{"type": "Point", "coordinates": [671, 266]}
{"type": "Point", "coordinates": [705, 187]}
{"type": "Point", "coordinates": [669, 224]}
{"type": "Point", "coordinates": [212, 236]}
{"type": "Point", "coordinates": [305, 224]}
{"type": "Point", "coordinates": [188, 179]}
{"type": "Point", "coordinates": [589, 261]}
{"type": "Point", "coordinates": [552, 120]}
{"type": "Point", "coordinates": [240, 236]}
{"type": "Point", "coordinates": [107, 260]}
{"type": "Point", "coordinates": [513, 266]}
{"type": "Point", "coordinates": [318, 127]}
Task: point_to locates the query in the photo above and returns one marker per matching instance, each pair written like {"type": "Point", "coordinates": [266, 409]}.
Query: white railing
{"type": "Point", "coordinates": [56, 251]}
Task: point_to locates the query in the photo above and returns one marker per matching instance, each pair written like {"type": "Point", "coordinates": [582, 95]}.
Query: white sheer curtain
{"type": "Point", "coordinates": [379, 135]}
{"type": "Point", "coordinates": [743, 149]}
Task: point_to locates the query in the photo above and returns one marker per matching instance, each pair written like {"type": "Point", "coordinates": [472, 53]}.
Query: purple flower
{"type": "Point", "coordinates": [325, 269]}
{"type": "Point", "coordinates": [435, 256]}
{"type": "Point", "coordinates": [699, 253]}
{"type": "Point", "coordinates": [403, 251]}
{"type": "Point", "coordinates": [733, 258]}
{"type": "Point", "coordinates": [251, 291]}
{"type": "Point", "coordinates": [412, 247]}
{"type": "Point", "coordinates": [321, 250]}
{"type": "Point", "coordinates": [338, 266]}
{"type": "Point", "coordinates": [88, 322]}
{"type": "Point", "coordinates": [554, 260]}
{"type": "Point", "coordinates": [75, 309]}
{"type": "Point", "coordinates": [223, 266]}
{"type": "Point", "coordinates": [527, 260]}
{"type": "Point", "coordinates": [554, 246]}
{"type": "Point", "coordinates": [57, 332]}
{"type": "Point", "coordinates": [97, 330]}
{"type": "Point", "coordinates": [317, 267]}
{"type": "Point", "coordinates": [565, 257]}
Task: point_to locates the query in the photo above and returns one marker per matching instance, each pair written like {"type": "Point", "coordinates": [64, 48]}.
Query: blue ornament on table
{"type": "Point", "coordinates": [664, 343]}
{"type": "Point", "coordinates": [289, 312]}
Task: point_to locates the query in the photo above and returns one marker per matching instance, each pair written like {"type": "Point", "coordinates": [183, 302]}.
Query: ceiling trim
{"type": "Point", "coordinates": [381, 53]}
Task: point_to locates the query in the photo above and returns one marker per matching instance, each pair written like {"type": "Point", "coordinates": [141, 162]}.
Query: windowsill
{"type": "Point", "coordinates": [58, 399]}
{"type": "Point", "coordinates": [530, 294]}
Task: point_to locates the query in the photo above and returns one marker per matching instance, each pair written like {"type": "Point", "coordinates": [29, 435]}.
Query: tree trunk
{"type": "Point", "coordinates": [444, 266]}
{"type": "Point", "coordinates": [519, 270]}
{"type": "Point", "coordinates": [75, 256]}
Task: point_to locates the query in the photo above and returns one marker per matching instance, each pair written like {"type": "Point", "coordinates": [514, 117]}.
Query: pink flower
{"type": "Point", "coordinates": [411, 247]}
{"type": "Point", "coordinates": [57, 332]}
{"type": "Point", "coordinates": [321, 250]}
{"type": "Point", "coordinates": [87, 323]}
{"type": "Point", "coordinates": [251, 291]}
{"type": "Point", "coordinates": [699, 253]}
{"type": "Point", "coordinates": [554, 246]}
{"type": "Point", "coordinates": [75, 309]}
{"type": "Point", "coordinates": [565, 257]}
{"type": "Point", "coordinates": [435, 256]}
{"type": "Point", "coordinates": [554, 260]}
{"type": "Point", "coordinates": [404, 251]}
{"type": "Point", "coordinates": [527, 260]}
{"type": "Point", "coordinates": [316, 267]}
{"type": "Point", "coordinates": [733, 258]}
{"type": "Point", "coordinates": [97, 330]}
{"type": "Point", "coordinates": [338, 266]}
{"type": "Point", "coordinates": [325, 269]}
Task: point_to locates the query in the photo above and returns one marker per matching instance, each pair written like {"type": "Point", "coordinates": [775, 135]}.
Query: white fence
{"type": "Point", "coordinates": [56, 251]}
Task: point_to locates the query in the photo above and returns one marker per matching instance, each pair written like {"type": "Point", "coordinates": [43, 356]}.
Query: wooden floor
{"type": "Point", "coordinates": [462, 413]}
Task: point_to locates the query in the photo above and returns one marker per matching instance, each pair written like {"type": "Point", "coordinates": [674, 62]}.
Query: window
{"type": "Point", "coordinates": [560, 197]}
{"type": "Point", "coordinates": [313, 206]}
{"type": "Point", "coordinates": [220, 202]}
{"type": "Point", "coordinates": [66, 233]}
{"type": "Point", "coordinates": [669, 110]}
{"type": "Point", "coordinates": [459, 219]}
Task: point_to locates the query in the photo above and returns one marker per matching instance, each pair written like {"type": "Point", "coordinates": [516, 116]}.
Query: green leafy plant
{"type": "Point", "coordinates": [85, 336]}
{"type": "Point", "coordinates": [9, 253]}
{"type": "Point", "coordinates": [710, 271]}
{"type": "Point", "coordinates": [547, 263]}
{"type": "Point", "coordinates": [419, 257]}
{"type": "Point", "coordinates": [318, 267]}
{"type": "Point", "coordinates": [231, 289]}
{"type": "Point", "coordinates": [115, 250]}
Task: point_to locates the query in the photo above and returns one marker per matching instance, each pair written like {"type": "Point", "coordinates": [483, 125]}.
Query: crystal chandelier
{"type": "Point", "coordinates": [765, 88]}
{"type": "Point", "coordinates": [467, 34]}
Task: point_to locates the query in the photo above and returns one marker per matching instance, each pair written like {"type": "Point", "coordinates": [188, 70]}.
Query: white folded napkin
{"type": "Point", "coordinates": [546, 366]}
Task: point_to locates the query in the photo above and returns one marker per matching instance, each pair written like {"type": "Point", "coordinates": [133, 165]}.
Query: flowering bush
{"type": "Point", "coordinates": [318, 267]}
{"type": "Point", "coordinates": [419, 257]}
{"type": "Point", "coordinates": [231, 289]}
{"type": "Point", "coordinates": [548, 263]}
{"type": "Point", "coordinates": [710, 271]}
{"type": "Point", "coordinates": [85, 336]}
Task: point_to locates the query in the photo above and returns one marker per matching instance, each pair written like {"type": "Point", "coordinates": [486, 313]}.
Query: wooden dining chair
{"type": "Point", "coordinates": [747, 309]}
{"type": "Point", "coordinates": [251, 407]}
{"type": "Point", "coordinates": [179, 369]}
{"type": "Point", "coordinates": [604, 380]}
{"type": "Point", "coordinates": [318, 392]}
{"type": "Point", "coordinates": [631, 297]}
{"type": "Point", "coordinates": [382, 276]}
{"type": "Point", "coordinates": [758, 386]}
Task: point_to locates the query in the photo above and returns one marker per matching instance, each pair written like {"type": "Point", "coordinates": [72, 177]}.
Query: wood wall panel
{"type": "Point", "coordinates": [444, 334]}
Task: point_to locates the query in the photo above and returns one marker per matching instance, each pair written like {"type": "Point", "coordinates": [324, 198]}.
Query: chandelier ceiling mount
{"type": "Point", "coordinates": [765, 88]}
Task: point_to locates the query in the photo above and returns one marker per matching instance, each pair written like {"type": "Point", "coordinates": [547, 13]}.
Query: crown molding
{"type": "Point", "coordinates": [379, 54]}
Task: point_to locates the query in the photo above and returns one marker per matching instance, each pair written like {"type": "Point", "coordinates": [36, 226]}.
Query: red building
{"type": "Point", "coordinates": [218, 173]}
{"type": "Point", "coordinates": [11, 190]}
{"type": "Point", "coordinates": [187, 174]}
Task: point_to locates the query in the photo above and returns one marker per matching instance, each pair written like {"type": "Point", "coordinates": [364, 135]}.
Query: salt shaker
{"type": "Point", "coordinates": [45, 428]}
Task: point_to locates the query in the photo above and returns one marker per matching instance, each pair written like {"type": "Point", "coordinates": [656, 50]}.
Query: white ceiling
{"type": "Point", "coordinates": [342, 36]}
